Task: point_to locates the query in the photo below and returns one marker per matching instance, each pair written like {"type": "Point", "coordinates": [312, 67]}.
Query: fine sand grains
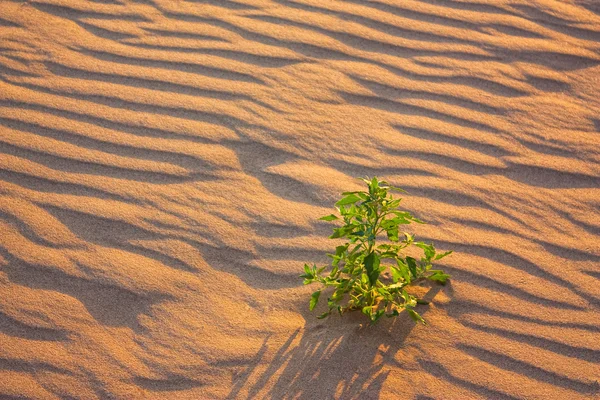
{"type": "Point", "coordinates": [163, 164]}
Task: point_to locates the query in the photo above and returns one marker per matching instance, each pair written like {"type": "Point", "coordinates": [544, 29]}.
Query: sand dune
{"type": "Point", "coordinates": [163, 165]}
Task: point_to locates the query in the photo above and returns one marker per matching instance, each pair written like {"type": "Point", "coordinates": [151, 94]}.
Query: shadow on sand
{"type": "Point", "coordinates": [340, 358]}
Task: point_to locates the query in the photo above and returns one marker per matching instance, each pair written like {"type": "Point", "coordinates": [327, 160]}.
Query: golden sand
{"type": "Point", "coordinates": [163, 164]}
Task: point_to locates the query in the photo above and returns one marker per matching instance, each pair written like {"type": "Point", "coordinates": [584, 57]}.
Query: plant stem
{"type": "Point", "coordinates": [374, 230]}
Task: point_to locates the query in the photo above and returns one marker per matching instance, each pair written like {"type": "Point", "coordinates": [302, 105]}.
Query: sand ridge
{"type": "Point", "coordinates": [163, 165]}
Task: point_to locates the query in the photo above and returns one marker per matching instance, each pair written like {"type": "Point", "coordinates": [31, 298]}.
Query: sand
{"type": "Point", "coordinates": [163, 164]}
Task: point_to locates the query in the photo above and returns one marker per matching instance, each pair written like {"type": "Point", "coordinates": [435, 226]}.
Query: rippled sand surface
{"type": "Point", "coordinates": [163, 164]}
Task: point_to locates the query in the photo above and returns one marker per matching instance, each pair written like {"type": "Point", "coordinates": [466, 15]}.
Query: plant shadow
{"type": "Point", "coordinates": [340, 358]}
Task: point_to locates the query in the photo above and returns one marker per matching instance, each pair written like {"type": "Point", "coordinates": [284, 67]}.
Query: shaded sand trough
{"type": "Point", "coordinates": [163, 164]}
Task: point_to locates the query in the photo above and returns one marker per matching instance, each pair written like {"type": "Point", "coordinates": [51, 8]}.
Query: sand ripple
{"type": "Point", "coordinates": [163, 163]}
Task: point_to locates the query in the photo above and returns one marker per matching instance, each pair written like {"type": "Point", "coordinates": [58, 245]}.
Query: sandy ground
{"type": "Point", "coordinates": [163, 164]}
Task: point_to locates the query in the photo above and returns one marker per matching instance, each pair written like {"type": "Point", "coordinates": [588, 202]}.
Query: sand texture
{"type": "Point", "coordinates": [163, 164]}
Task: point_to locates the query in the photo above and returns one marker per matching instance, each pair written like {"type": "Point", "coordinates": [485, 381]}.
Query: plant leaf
{"type": "Point", "coordinates": [415, 315]}
{"type": "Point", "coordinates": [373, 185]}
{"type": "Point", "coordinates": [412, 266]}
{"type": "Point", "coordinates": [325, 314]}
{"type": "Point", "coordinates": [398, 285]}
{"type": "Point", "coordinates": [308, 275]}
{"type": "Point", "coordinates": [392, 233]}
{"type": "Point", "coordinates": [329, 217]}
{"type": "Point", "coordinates": [438, 276]}
{"type": "Point", "coordinates": [397, 189]}
{"type": "Point", "coordinates": [376, 316]}
{"type": "Point", "coordinates": [372, 267]}
{"type": "Point", "coordinates": [314, 299]}
{"type": "Point", "coordinates": [440, 256]}
{"type": "Point", "coordinates": [364, 278]}
{"type": "Point", "coordinates": [402, 271]}
{"type": "Point", "coordinates": [340, 232]}
{"type": "Point", "coordinates": [428, 249]}
{"type": "Point", "coordinates": [351, 198]}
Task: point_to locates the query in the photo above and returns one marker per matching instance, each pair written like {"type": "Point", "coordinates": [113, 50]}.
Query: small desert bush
{"type": "Point", "coordinates": [356, 271]}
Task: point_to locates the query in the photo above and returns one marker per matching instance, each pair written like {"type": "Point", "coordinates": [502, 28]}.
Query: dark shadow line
{"type": "Point", "coordinates": [507, 363]}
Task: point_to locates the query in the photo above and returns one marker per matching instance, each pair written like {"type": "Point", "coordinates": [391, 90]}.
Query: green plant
{"type": "Point", "coordinates": [358, 265]}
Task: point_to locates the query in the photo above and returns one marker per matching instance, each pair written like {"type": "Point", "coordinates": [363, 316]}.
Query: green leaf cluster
{"type": "Point", "coordinates": [356, 273]}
